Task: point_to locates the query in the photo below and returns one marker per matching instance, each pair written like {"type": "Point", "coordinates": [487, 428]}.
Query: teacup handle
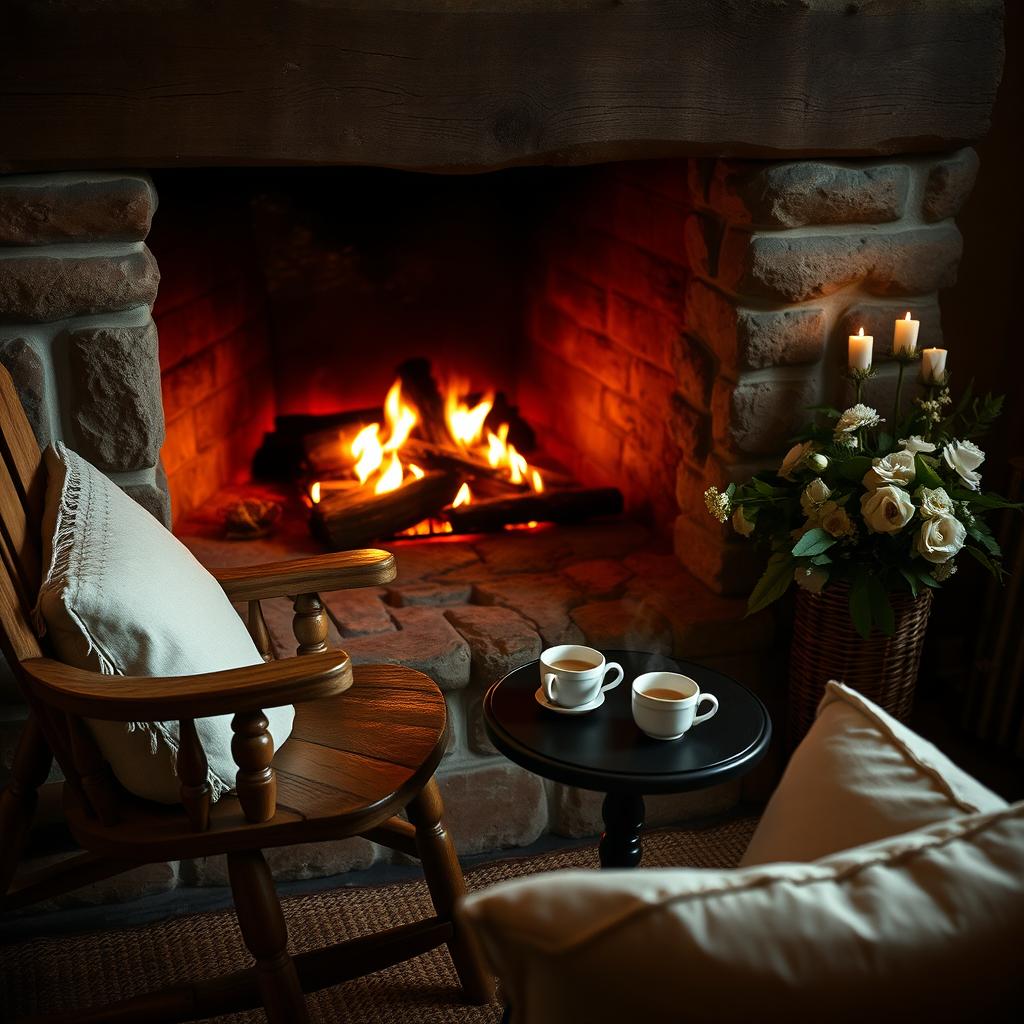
{"type": "Point", "coordinates": [613, 665]}
{"type": "Point", "coordinates": [707, 714]}
{"type": "Point", "coordinates": [550, 685]}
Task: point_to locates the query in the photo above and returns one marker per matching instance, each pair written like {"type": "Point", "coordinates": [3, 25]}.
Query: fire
{"type": "Point", "coordinates": [377, 449]}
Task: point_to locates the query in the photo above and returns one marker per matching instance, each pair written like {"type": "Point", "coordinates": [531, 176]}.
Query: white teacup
{"type": "Point", "coordinates": [665, 704]}
{"type": "Point", "coordinates": [573, 676]}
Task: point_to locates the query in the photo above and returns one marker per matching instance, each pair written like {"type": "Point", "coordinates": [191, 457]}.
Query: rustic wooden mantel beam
{"type": "Point", "coordinates": [469, 85]}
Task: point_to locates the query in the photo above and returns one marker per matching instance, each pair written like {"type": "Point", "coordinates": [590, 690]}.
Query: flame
{"type": "Point", "coordinates": [907, 317]}
{"type": "Point", "coordinates": [400, 417]}
{"type": "Point", "coordinates": [415, 470]}
{"type": "Point", "coordinates": [860, 333]}
{"type": "Point", "coordinates": [537, 482]}
{"type": "Point", "coordinates": [391, 478]}
{"type": "Point", "coordinates": [464, 497]}
{"type": "Point", "coordinates": [517, 465]}
{"type": "Point", "coordinates": [368, 452]}
{"type": "Point", "coordinates": [466, 424]}
{"type": "Point", "coordinates": [314, 492]}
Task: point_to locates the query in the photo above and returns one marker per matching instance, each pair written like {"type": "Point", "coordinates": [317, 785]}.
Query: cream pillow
{"type": "Point", "coordinates": [858, 776]}
{"type": "Point", "coordinates": [926, 926]}
{"type": "Point", "coordinates": [122, 596]}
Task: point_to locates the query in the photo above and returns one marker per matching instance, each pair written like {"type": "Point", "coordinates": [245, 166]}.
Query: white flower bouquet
{"type": "Point", "coordinates": [879, 511]}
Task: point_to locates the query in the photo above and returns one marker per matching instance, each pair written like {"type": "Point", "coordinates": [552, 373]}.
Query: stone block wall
{"type": "Point", "coordinates": [77, 286]}
{"type": "Point", "coordinates": [217, 384]}
{"type": "Point", "coordinates": [684, 313]}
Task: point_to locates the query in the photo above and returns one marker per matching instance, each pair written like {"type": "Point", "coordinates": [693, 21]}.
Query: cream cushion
{"type": "Point", "coordinates": [858, 776]}
{"type": "Point", "coordinates": [925, 926]}
{"type": "Point", "coordinates": [122, 596]}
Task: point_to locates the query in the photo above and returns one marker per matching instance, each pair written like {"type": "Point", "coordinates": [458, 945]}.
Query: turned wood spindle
{"type": "Point", "coordinates": [18, 799]}
{"type": "Point", "coordinates": [252, 747]}
{"type": "Point", "coordinates": [310, 624]}
{"type": "Point", "coordinates": [257, 627]}
{"type": "Point", "coordinates": [193, 771]}
{"type": "Point", "coordinates": [93, 773]}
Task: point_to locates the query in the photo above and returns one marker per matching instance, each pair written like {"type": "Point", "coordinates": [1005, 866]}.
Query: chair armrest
{"type": "Point", "coordinates": [161, 698]}
{"type": "Point", "coordinates": [342, 570]}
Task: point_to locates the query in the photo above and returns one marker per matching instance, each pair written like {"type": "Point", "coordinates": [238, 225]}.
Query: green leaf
{"type": "Point", "coordinates": [813, 542]}
{"type": "Point", "coordinates": [854, 468]}
{"type": "Point", "coordinates": [860, 604]}
{"type": "Point", "coordinates": [826, 410]}
{"type": "Point", "coordinates": [911, 580]}
{"type": "Point", "coordinates": [980, 532]}
{"type": "Point", "coordinates": [987, 562]}
{"type": "Point", "coordinates": [988, 500]}
{"type": "Point", "coordinates": [881, 608]}
{"type": "Point", "coordinates": [766, 489]}
{"type": "Point", "coordinates": [929, 580]}
{"type": "Point", "coordinates": [773, 583]}
{"type": "Point", "coordinates": [924, 474]}
{"type": "Point", "coordinates": [730, 490]}
{"type": "Point", "coordinates": [821, 560]}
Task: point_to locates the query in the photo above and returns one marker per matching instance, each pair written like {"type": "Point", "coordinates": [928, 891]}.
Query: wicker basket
{"type": "Point", "coordinates": [827, 646]}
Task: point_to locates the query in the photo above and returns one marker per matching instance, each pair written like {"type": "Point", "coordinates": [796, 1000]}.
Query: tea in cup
{"type": "Point", "coordinates": [572, 676]}
{"type": "Point", "coordinates": [665, 704]}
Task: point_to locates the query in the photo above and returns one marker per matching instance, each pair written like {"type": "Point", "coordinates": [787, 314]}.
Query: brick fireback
{"type": "Point", "coordinates": [668, 320]}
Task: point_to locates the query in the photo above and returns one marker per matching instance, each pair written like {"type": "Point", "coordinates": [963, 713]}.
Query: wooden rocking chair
{"type": "Point", "coordinates": [365, 745]}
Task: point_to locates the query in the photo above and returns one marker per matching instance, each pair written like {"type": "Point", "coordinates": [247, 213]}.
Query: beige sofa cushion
{"type": "Point", "coordinates": [858, 776]}
{"type": "Point", "coordinates": [122, 596]}
{"type": "Point", "coordinates": [922, 927]}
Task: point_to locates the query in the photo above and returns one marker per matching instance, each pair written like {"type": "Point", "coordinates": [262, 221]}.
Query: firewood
{"type": "Point", "coordinates": [549, 507]}
{"type": "Point", "coordinates": [346, 519]}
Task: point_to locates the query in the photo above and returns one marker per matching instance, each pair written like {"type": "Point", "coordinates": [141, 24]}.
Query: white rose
{"type": "Point", "coordinates": [854, 418]}
{"type": "Point", "coordinates": [795, 459]}
{"type": "Point", "coordinates": [886, 509]}
{"type": "Point", "coordinates": [933, 501]}
{"type": "Point", "coordinates": [964, 458]}
{"type": "Point", "coordinates": [916, 444]}
{"type": "Point", "coordinates": [740, 523]}
{"type": "Point", "coordinates": [811, 579]}
{"type": "Point", "coordinates": [940, 538]}
{"type": "Point", "coordinates": [835, 521]}
{"type": "Point", "coordinates": [815, 494]}
{"type": "Point", "coordinates": [897, 468]}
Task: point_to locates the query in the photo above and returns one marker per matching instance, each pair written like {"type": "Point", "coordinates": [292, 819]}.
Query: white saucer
{"type": "Point", "coordinates": [581, 710]}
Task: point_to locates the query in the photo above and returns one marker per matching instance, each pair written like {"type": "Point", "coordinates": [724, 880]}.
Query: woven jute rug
{"type": "Point", "coordinates": [51, 974]}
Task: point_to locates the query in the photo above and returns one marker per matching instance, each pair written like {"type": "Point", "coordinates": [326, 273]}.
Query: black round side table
{"type": "Point", "coordinates": [605, 751]}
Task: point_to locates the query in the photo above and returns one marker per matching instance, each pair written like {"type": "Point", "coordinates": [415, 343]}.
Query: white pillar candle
{"type": "Point", "coordinates": [904, 338]}
{"type": "Point", "coordinates": [933, 365]}
{"type": "Point", "coordinates": [861, 345]}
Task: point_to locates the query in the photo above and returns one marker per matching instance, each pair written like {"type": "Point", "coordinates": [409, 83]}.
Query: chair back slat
{"type": "Point", "coordinates": [22, 485]}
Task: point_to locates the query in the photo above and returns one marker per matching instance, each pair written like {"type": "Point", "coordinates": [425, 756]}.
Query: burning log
{"type": "Point", "coordinates": [352, 517]}
{"type": "Point", "coordinates": [549, 507]}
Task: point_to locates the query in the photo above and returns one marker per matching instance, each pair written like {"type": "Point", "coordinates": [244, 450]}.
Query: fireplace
{"type": "Point", "coordinates": [625, 221]}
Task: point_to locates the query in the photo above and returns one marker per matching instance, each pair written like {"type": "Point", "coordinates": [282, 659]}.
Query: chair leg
{"type": "Point", "coordinates": [18, 799]}
{"type": "Point", "coordinates": [445, 882]}
{"type": "Point", "coordinates": [266, 936]}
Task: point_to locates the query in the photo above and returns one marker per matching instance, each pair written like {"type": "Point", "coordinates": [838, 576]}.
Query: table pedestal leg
{"type": "Point", "coordinates": [623, 819]}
